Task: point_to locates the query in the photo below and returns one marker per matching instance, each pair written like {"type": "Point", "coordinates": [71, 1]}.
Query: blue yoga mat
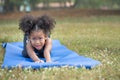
{"type": "Point", "coordinates": [60, 55]}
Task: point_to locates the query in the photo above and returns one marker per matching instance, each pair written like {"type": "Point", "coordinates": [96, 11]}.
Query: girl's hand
{"type": "Point", "coordinates": [49, 61]}
{"type": "Point", "coordinates": [40, 61]}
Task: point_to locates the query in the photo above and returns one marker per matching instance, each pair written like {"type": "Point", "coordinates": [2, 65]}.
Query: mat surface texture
{"type": "Point", "coordinates": [60, 55]}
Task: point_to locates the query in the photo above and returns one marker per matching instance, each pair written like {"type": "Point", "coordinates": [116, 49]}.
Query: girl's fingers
{"type": "Point", "coordinates": [40, 61]}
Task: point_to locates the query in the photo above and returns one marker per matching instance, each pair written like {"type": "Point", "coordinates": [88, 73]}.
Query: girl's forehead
{"type": "Point", "coordinates": [37, 33]}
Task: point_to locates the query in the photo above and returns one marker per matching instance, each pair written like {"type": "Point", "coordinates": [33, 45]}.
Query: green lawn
{"type": "Point", "coordinates": [94, 37]}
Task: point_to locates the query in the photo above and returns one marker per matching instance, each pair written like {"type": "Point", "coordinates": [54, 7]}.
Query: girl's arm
{"type": "Point", "coordinates": [31, 53]}
{"type": "Point", "coordinates": [48, 47]}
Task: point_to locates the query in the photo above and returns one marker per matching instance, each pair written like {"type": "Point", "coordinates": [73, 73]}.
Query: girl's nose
{"type": "Point", "coordinates": [37, 41]}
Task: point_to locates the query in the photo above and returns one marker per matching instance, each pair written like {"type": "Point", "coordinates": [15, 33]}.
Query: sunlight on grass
{"type": "Point", "coordinates": [10, 33]}
{"type": "Point", "coordinates": [94, 37]}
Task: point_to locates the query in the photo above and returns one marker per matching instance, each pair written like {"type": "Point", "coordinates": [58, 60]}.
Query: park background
{"type": "Point", "coordinates": [89, 27]}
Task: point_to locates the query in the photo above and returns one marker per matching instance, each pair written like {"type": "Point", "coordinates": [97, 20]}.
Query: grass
{"type": "Point", "coordinates": [95, 37]}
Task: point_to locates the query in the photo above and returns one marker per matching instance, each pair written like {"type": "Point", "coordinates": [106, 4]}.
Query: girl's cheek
{"type": "Point", "coordinates": [32, 44]}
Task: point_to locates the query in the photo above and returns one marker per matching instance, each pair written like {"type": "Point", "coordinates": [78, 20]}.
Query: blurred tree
{"type": "Point", "coordinates": [34, 2]}
{"type": "Point", "coordinates": [96, 4]}
{"type": "Point", "coordinates": [87, 3]}
{"type": "Point", "coordinates": [6, 5]}
{"type": "Point", "coordinates": [114, 3]}
{"type": "Point", "coordinates": [11, 5]}
{"type": "Point", "coordinates": [46, 4]}
{"type": "Point", "coordinates": [14, 5]}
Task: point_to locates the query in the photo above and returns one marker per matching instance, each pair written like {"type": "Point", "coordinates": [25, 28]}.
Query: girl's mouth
{"type": "Point", "coordinates": [38, 47]}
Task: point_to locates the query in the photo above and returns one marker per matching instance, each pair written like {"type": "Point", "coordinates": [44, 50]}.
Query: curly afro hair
{"type": "Point", "coordinates": [29, 23]}
{"type": "Point", "coordinates": [45, 23]}
{"type": "Point", "coordinates": [26, 23]}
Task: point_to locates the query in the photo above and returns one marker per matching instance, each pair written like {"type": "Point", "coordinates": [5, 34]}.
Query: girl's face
{"type": "Point", "coordinates": [37, 39]}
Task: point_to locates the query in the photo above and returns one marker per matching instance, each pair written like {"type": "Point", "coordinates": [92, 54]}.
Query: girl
{"type": "Point", "coordinates": [37, 41]}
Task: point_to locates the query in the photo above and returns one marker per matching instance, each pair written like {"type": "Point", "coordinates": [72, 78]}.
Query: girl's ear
{"type": "Point", "coordinates": [46, 37]}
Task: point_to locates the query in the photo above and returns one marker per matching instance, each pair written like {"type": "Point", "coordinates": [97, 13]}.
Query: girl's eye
{"type": "Point", "coordinates": [37, 39]}
{"type": "Point", "coordinates": [33, 38]}
{"type": "Point", "coordinates": [40, 38]}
